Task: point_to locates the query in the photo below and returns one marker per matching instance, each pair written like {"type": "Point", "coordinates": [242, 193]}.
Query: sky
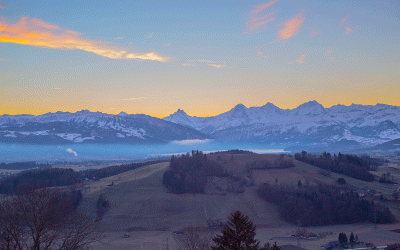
{"type": "Point", "coordinates": [156, 56]}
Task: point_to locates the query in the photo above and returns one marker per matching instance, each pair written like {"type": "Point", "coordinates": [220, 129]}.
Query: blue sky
{"type": "Point", "coordinates": [204, 57]}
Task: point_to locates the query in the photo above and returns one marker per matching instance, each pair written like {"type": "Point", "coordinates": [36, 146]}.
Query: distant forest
{"type": "Point", "coordinates": [323, 205]}
{"type": "Point", "coordinates": [189, 173]}
{"type": "Point", "coordinates": [54, 177]}
{"type": "Point", "coordinates": [22, 165]}
{"type": "Point", "coordinates": [350, 165]}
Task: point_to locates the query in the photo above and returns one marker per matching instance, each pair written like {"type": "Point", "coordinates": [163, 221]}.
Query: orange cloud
{"type": "Point", "coordinates": [291, 27]}
{"type": "Point", "coordinates": [348, 30]}
{"type": "Point", "coordinates": [301, 58]}
{"type": "Point", "coordinates": [35, 32]}
{"type": "Point", "coordinates": [345, 19]}
{"type": "Point", "coordinates": [216, 65]}
{"type": "Point", "coordinates": [257, 20]}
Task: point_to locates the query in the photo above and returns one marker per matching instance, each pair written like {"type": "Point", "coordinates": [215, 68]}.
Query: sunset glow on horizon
{"type": "Point", "coordinates": [204, 57]}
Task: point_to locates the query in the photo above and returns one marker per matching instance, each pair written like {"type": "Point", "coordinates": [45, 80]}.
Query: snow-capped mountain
{"type": "Point", "coordinates": [92, 127]}
{"type": "Point", "coordinates": [309, 123]}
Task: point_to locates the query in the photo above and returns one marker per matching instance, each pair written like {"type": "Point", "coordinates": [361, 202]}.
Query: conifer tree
{"type": "Point", "coordinates": [238, 234]}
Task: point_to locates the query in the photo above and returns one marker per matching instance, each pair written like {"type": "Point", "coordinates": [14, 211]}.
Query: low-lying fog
{"type": "Point", "coordinates": [80, 152]}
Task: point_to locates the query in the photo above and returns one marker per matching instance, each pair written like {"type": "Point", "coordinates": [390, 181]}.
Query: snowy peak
{"type": "Point", "coordinates": [96, 127]}
{"type": "Point", "coordinates": [180, 112]}
{"type": "Point", "coordinates": [309, 108]}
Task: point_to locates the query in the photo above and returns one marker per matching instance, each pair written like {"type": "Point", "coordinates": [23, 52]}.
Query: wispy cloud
{"type": "Point", "coordinates": [259, 17]}
{"type": "Point", "coordinates": [301, 58]}
{"type": "Point", "coordinates": [206, 61]}
{"type": "Point", "coordinates": [166, 45]}
{"type": "Point", "coordinates": [259, 53]}
{"type": "Point", "coordinates": [345, 21]}
{"type": "Point", "coordinates": [1, 7]}
{"type": "Point", "coordinates": [345, 18]}
{"type": "Point", "coordinates": [188, 65]}
{"type": "Point", "coordinates": [331, 58]}
{"type": "Point", "coordinates": [314, 34]}
{"type": "Point", "coordinates": [216, 65]}
{"type": "Point", "coordinates": [69, 150]}
{"type": "Point", "coordinates": [35, 32]}
{"type": "Point", "coordinates": [291, 27]}
{"type": "Point", "coordinates": [3, 60]}
{"type": "Point", "coordinates": [134, 98]}
{"type": "Point", "coordinates": [150, 36]}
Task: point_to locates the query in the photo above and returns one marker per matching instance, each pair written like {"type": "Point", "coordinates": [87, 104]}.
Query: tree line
{"type": "Point", "coordinates": [189, 173]}
{"type": "Point", "coordinates": [323, 205]}
{"type": "Point", "coordinates": [55, 177]}
{"type": "Point", "coordinates": [23, 165]}
{"type": "Point", "coordinates": [346, 164]}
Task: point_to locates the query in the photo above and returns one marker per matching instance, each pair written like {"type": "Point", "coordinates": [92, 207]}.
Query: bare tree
{"type": "Point", "coordinates": [196, 238]}
{"type": "Point", "coordinates": [44, 219]}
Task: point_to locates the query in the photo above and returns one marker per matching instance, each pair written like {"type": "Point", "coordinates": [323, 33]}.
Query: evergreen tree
{"type": "Point", "coordinates": [342, 238]}
{"type": "Point", "coordinates": [352, 239]}
{"type": "Point", "coordinates": [299, 184]}
{"type": "Point", "coordinates": [238, 234]}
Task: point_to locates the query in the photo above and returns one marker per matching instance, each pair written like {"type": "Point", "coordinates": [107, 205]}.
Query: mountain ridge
{"type": "Point", "coordinates": [309, 123]}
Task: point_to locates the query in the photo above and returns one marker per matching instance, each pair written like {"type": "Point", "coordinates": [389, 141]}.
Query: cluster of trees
{"type": "Point", "coordinates": [22, 165]}
{"type": "Point", "coordinates": [38, 178]}
{"type": "Point", "coordinates": [342, 238]}
{"type": "Point", "coordinates": [56, 177]}
{"type": "Point", "coordinates": [189, 173]}
{"type": "Point", "coordinates": [323, 205]}
{"type": "Point", "coordinates": [387, 178]}
{"type": "Point", "coordinates": [44, 219]}
{"type": "Point", "coordinates": [281, 162]}
{"type": "Point", "coordinates": [350, 165]}
{"type": "Point", "coordinates": [233, 152]}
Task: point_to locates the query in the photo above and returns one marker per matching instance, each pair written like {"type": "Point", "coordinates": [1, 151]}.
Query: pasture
{"type": "Point", "coordinates": [141, 206]}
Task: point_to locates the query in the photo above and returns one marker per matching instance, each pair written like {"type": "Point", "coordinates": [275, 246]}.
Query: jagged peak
{"type": "Point", "coordinates": [180, 112]}
{"type": "Point", "coordinates": [122, 113]}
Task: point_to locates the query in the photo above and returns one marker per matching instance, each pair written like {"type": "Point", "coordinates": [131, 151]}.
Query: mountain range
{"type": "Point", "coordinates": [92, 127]}
{"type": "Point", "coordinates": [310, 124]}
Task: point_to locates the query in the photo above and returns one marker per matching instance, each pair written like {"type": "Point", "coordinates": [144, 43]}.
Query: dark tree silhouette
{"type": "Point", "coordinates": [342, 238]}
{"type": "Point", "coordinates": [352, 239]}
{"type": "Point", "coordinates": [237, 234]}
{"type": "Point", "coordinates": [44, 219]}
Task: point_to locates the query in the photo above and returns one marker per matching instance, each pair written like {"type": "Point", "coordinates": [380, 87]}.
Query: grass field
{"type": "Point", "coordinates": [140, 205]}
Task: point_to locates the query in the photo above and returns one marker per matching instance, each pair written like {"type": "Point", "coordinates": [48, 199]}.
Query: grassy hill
{"type": "Point", "coordinates": [141, 205]}
{"type": "Point", "coordinates": [140, 202]}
